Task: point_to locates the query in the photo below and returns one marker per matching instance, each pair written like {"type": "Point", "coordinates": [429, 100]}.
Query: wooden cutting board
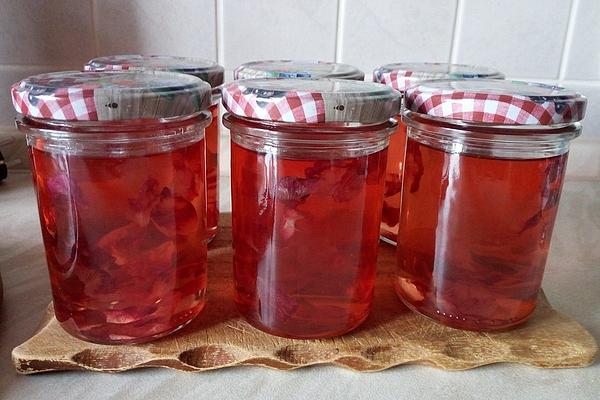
{"type": "Point", "coordinates": [391, 336]}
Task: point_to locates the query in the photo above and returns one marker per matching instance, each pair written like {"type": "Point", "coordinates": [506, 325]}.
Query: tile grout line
{"type": "Point", "coordinates": [566, 50]}
{"type": "Point", "coordinates": [219, 32]}
{"type": "Point", "coordinates": [95, 28]}
{"type": "Point", "coordinates": [339, 30]}
{"type": "Point", "coordinates": [453, 57]}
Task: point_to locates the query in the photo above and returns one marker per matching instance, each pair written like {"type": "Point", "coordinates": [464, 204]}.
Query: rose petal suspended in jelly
{"type": "Point", "coordinates": [317, 169]}
{"type": "Point", "coordinates": [147, 197]}
{"type": "Point", "coordinates": [175, 215]}
{"type": "Point", "coordinates": [137, 248]}
{"type": "Point", "coordinates": [294, 189]}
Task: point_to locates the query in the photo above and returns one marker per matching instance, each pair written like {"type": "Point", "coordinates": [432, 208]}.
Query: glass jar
{"type": "Point", "coordinates": [208, 71]}
{"type": "Point", "coordinates": [400, 76]}
{"type": "Point", "coordinates": [297, 69]}
{"type": "Point", "coordinates": [307, 165]}
{"type": "Point", "coordinates": [484, 167]}
{"type": "Point", "coordinates": [118, 168]}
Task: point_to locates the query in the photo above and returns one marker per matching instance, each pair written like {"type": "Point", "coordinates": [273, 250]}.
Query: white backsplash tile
{"type": "Point", "coordinates": [285, 29]}
{"type": "Point", "coordinates": [519, 37]}
{"type": "Point", "coordinates": [57, 32]}
{"type": "Point", "coordinates": [583, 53]}
{"type": "Point", "coordinates": [182, 28]}
{"type": "Point", "coordinates": [385, 31]}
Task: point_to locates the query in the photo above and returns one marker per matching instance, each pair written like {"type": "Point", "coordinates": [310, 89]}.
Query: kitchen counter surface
{"type": "Point", "coordinates": [572, 284]}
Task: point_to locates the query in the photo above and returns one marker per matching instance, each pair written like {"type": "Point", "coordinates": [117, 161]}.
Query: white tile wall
{"type": "Point", "coordinates": [582, 58]}
{"type": "Point", "coordinates": [266, 29]}
{"type": "Point", "coordinates": [57, 32]}
{"type": "Point", "coordinates": [522, 38]}
{"type": "Point", "coordinates": [379, 32]}
{"type": "Point", "coordinates": [541, 40]}
{"type": "Point", "coordinates": [181, 28]}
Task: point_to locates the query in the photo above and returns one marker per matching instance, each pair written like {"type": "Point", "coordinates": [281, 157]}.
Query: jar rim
{"type": "Point", "coordinates": [330, 129]}
{"type": "Point", "coordinates": [491, 141]}
{"type": "Point", "coordinates": [114, 140]}
{"type": "Point", "coordinates": [417, 119]}
{"type": "Point", "coordinates": [316, 141]}
{"type": "Point", "coordinates": [109, 127]}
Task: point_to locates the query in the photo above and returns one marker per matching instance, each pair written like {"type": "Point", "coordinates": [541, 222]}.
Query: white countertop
{"type": "Point", "coordinates": [572, 284]}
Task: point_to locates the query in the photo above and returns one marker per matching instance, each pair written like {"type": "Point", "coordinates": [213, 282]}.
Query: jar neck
{"type": "Point", "coordinates": [491, 141]}
{"type": "Point", "coordinates": [309, 141]}
{"type": "Point", "coordinates": [111, 126]}
{"type": "Point", "coordinates": [113, 138]}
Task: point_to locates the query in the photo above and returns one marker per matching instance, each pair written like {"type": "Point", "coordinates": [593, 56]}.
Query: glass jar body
{"type": "Point", "coordinates": [212, 172]}
{"type": "Point", "coordinates": [123, 217]}
{"type": "Point", "coordinates": [476, 221]}
{"type": "Point", "coordinates": [306, 209]}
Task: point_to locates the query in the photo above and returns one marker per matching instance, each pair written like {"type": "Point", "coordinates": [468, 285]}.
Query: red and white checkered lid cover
{"type": "Point", "coordinates": [497, 102]}
{"type": "Point", "coordinates": [311, 101]}
{"type": "Point", "coordinates": [208, 71]}
{"type": "Point", "coordinates": [297, 69]}
{"type": "Point", "coordinates": [110, 96]}
{"type": "Point", "coordinates": [402, 75]}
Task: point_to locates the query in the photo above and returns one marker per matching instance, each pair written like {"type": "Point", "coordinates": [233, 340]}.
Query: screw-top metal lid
{"type": "Point", "coordinates": [208, 71]}
{"type": "Point", "coordinates": [108, 96]}
{"type": "Point", "coordinates": [297, 69]}
{"type": "Point", "coordinates": [311, 101]}
{"type": "Point", "coordinates": [402, 75]}
{"type": "Point", "coordinates": [496, 101]}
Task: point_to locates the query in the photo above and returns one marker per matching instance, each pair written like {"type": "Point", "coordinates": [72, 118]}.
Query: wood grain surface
{"type": "Point", "coordinates": [391, 336]}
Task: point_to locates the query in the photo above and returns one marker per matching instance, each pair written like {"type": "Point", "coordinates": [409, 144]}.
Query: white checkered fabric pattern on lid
{"type": "Point", "coordinates": [290, 106]}
{"type": "Point", "coordinates": [402, 80]}
{"type": "Point", "coordinates": [73, 104]}
{"type": "Point", "coordinates": [492, 108]}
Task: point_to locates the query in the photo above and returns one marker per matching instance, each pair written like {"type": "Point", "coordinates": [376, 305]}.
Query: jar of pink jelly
{"type": "Point", "coordinates": [400, 76]}
{"type": "Point", "coordinates": [208, 71]}
{"type": "Point", "coordinates": [483, 173]}
{"type": "Point", "coordinates": [307, 163]}
{"type": "Point", "coordinates": [118, 168]}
